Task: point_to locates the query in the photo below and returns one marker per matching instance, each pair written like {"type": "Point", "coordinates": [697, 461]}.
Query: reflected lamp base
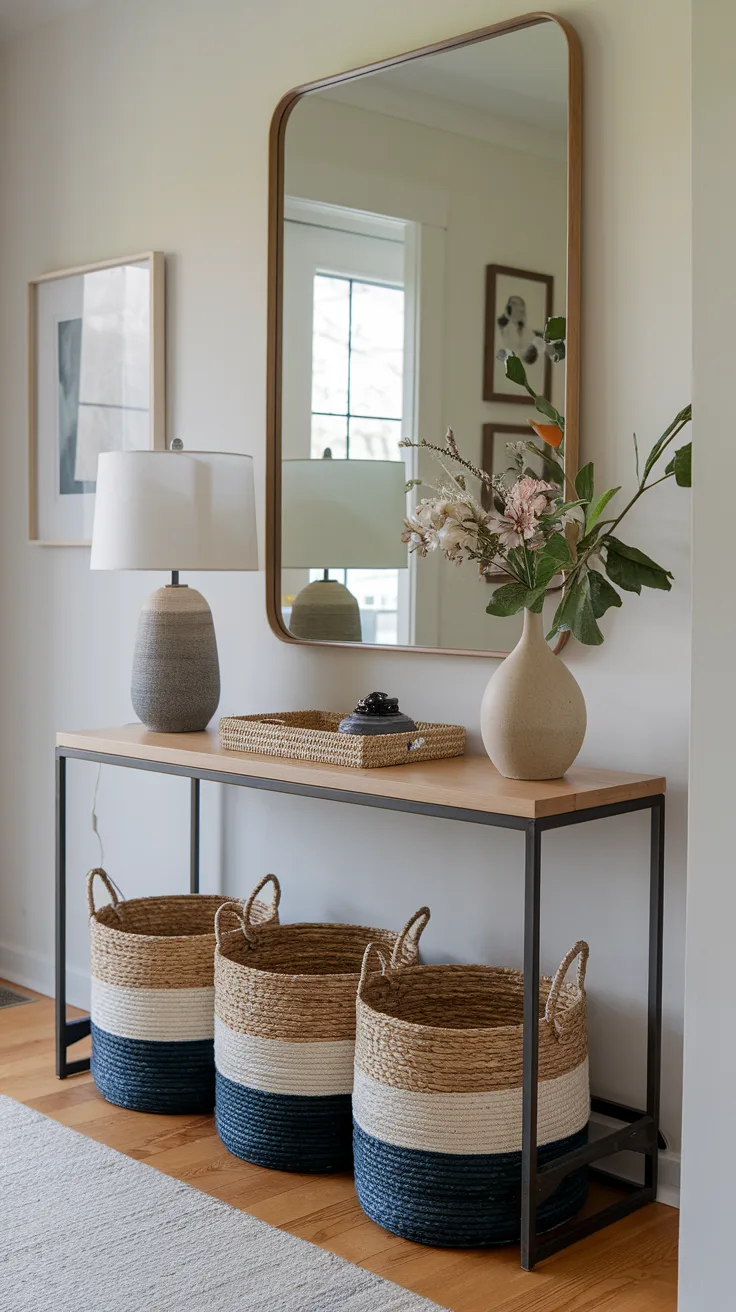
{"type": "Point", "coordinates": [326, 611]}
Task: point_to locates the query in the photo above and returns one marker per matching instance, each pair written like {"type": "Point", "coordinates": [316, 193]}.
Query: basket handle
{"type": "Point", "coordinates": [406, 947]}
{"type": "Point", "coordinates": [382, 963]}
{"type": "Point", "coordinates": [581, 950]}
{"type": "Point", "coordinates": [248, 922]}
{"type": "Point", "coordinates": [237, 909]}
{"type": "Point", "coordinates": [115, 895]}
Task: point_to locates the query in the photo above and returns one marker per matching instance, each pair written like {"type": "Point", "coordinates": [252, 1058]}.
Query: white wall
{"type": "Point", "coordinates": [709, 1158]}
{"type": "Point", "coordinates": [145, 125]}
{"type": "Point", "coordinates": [491, 204]}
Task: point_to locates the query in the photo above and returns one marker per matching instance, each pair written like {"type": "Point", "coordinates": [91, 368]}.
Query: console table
{"type": "Point", "coordinates": [465, 788]}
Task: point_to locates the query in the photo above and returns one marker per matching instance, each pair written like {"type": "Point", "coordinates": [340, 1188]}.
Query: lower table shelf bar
{"type": "Point", "coordinates": [639, 1137]}
{"type": "Point", "coordinates": [74, 1030]}
{"type": "Point", "coordinates": [546, 1247]}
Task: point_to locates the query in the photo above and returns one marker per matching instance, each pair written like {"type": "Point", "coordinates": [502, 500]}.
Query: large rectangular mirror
{"type": "Point", "coordinates": [425, 216]}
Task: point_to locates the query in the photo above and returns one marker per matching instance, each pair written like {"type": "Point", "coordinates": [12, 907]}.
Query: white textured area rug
{"type": "Point", "coordinates": [84, 1227]}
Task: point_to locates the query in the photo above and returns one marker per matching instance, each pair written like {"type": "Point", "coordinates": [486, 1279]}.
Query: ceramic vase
{"type": "Point", "coordinates": [532, 717]}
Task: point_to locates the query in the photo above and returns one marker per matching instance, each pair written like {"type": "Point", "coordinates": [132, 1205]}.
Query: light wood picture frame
{"type": "Point", "coordinates": [96, 382]}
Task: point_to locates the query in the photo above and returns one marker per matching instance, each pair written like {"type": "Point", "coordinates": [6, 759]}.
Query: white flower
{"type": "Point", "coordinates": [455, 538]}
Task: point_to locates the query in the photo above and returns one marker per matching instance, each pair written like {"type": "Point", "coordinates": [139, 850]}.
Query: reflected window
{"type": "Point", "coordinates": [357, 368]}
{"type": "Point", "coordinates": [357, 408]}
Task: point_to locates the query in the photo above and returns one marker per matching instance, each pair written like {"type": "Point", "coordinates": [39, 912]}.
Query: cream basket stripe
{"type": "Point", "coordinates": [469, 1122]}
{"type": "Point", "coordinates": [283, 1066]}
{"type": "Point", "coordinates": [158, 1015]}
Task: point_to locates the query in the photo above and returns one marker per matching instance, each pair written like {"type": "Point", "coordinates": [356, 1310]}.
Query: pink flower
{"type": "Point", "coordinates": [525, 502]}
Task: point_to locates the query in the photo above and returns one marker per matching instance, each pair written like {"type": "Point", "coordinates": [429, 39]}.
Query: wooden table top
{"type": "Point", "coordinates": [468, 783]}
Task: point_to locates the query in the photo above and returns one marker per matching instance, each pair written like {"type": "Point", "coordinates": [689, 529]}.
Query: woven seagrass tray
{"type": "Point", "coordinates": [313, 736]}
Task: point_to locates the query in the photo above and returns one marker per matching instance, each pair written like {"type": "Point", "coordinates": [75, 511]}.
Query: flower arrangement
{"type": "Point", "coordinates": [544, 534]}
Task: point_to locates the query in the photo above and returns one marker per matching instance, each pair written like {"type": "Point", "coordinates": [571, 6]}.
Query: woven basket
{"type": "Point", "coordinates": [437, 1102]}
{"type": "Point", "coordinates": [313, 736]}
{"type": "Point", "coordinates": [285, 1034]}
{"type": "Point", "coordinates": [152, 1012]}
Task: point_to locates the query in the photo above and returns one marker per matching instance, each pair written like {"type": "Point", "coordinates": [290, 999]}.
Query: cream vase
{"type": "Point", "coordinates": [532, 717]}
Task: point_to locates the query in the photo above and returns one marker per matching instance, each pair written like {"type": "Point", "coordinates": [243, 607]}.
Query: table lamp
{"type": "Point", "coordinates": [175, 510]}
{"type": "Point", "coordinates": [339, 514]}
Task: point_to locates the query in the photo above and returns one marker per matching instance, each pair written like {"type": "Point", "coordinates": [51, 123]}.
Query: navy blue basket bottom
{"type": "Point", "coordinates": [285, 1036]}
{"type": "Point", "coordinates": [152, 1003]}
{"type": "Point", "coordinates": [437, 1099]}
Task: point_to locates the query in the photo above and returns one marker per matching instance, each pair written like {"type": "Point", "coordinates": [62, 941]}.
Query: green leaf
{"type": "Point", "coordinates": [678, 422]}
{"type": "Point", "coordinates": [556, 329]}
{"type": "Point", "coordinates": [596, 510]}
{"type": "Point", "coordinates": [631, 569]}
{"type": "Point", "coordinates": [551, 559]}
{"type": "Point", "coordinates": [636, 453]}
{"type": "Point", "coordinates": [515, 371]}
{"type": "Point", "coordinates": [576, 613]}
{"type": "Point", "coordinates": [584, 483]}
{"type": "Point", "coordinates": [602, 595]}
{"type": "Point", "coordinates": [549, 412]}
{"type": "Point", "coordinates": [537, 599]}
{"type": "Point", "coordinates": [556, 352]}
{"type": "Point", "coordinates": [681, 465]}
{"type": "Point", "coordinates": [509, 599]}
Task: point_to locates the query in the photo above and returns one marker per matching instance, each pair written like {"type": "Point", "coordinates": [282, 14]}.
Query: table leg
{"type": "Point", "coordinates": [532, 889]}
{"type": "Point", "coordinates": [654, 1011]}
{"type": "Point", "coordinates": [194, 837]}
{"type": "Point", "coordinates": [68, 1032]}
{"type": "Point", "coordinates": [61, 917]}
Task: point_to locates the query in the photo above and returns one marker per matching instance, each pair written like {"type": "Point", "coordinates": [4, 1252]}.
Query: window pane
{"type": "Point", "coordinates": [377, 351]}
{"type": "Point", "coordinates": [375, 439]}
{"type": "Point", "coordinates": [329, 431]}
{"type": "Point", "coordinates": [330, 344]}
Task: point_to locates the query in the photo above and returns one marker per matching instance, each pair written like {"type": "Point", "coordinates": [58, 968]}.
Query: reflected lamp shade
{"type": "Point", "coordinates": [175, 510]}
{"type": "Point", "coordinates": [343, 514]}
{"type": "Point", "coordinates": [339, 514]}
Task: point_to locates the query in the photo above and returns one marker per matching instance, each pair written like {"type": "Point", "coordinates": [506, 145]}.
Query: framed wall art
{"type": "Point", "coordinates": [96, 383]}
{"type": "Point", "coordinates": [518, 305]}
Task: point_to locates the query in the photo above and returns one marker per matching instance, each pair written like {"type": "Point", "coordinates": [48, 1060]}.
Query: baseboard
{"type": "Point", "coordinates": [629, 1165]}
{"type": "Point", "coordinates": [35, 970]}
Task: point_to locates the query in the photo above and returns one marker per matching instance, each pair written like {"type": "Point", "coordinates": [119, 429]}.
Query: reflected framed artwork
{"type": "Point", "coordinates": [498, 457]}
{"type": "Point", "coordinates": [96, 383]}
{"type": "Point", "coordinates": [518, 305]}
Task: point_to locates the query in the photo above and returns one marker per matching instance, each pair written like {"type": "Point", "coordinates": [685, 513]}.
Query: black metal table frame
{"type": "Point", "coordinates": [640, 1129]}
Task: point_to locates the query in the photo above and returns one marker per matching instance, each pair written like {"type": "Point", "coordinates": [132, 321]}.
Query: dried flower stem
{"type": "Point", "coordinates": [451, 450]}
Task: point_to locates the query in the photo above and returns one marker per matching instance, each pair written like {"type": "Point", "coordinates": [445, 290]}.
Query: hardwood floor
{"type": "Point", "coordinates": [630, 1267]}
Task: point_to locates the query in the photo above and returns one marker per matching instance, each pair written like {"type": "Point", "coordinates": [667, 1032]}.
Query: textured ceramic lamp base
{"type": "Point", "coordinates": [176, 671]}
{"type": "Point", "coordinates": [325, 611]}
{"type": "Point", "coordinates": [532, 717]}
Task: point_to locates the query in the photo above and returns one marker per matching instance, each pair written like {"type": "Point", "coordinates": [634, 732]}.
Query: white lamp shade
{"type": "Point", "coordinates": [343, 514]}
{"type": "Point", "coordinates": [174, 510]}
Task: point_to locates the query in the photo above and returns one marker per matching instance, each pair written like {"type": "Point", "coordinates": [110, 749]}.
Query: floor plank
{"type": "Point", "coordinates": [630, 1267]}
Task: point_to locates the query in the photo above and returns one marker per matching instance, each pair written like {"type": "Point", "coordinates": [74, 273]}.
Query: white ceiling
{"type": "Point", "coordinates": [520, 76]}
{"type": "Point", "coordinates": [19, 15]}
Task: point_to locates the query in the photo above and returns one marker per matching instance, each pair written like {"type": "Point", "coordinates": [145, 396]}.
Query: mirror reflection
{"type": "Point", "coordinates": [425, 233]}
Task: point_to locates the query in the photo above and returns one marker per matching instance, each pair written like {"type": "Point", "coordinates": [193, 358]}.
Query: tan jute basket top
{"type": "Point", "coordinates": [456, 1028]}
{"type": "Point", "coordinates": [296, 981]}
{"type": "Point", "coordinates": [155, 942]}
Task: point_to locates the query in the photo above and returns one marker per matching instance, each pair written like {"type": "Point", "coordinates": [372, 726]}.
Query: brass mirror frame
{"type": "Point", "coordinates": [275, 295]}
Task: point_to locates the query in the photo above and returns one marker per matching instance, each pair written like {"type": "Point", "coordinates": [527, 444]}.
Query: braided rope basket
{"type": "Point", "coordinates": [313, 736]}
{"type": "Point", "coordinates": [152, 1008]}
{"type": "Point", "coordinates": [285, 1033]}
{"type": "Point", "coordinates": [437, 1101]}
